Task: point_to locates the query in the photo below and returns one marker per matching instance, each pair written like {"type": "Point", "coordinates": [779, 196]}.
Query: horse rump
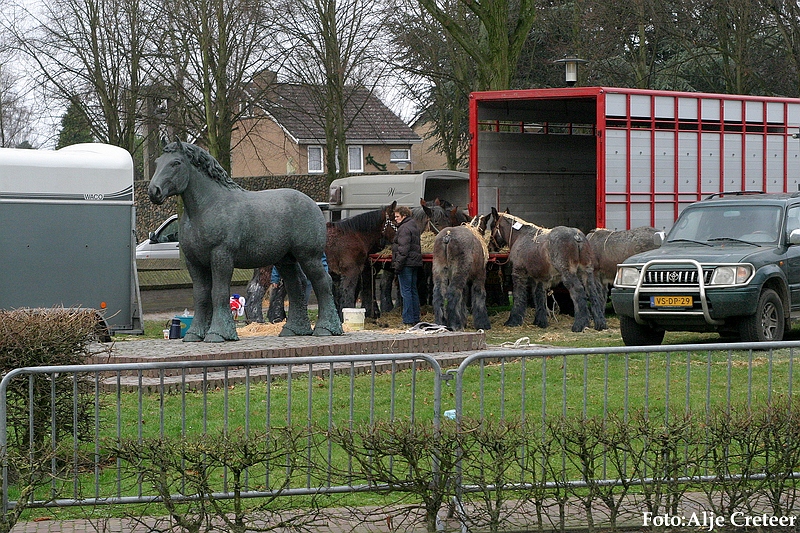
{"type": "Point", "coordinates": [459, 273]}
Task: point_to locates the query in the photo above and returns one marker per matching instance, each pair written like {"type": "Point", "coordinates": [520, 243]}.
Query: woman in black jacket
{"type": "Point", "coordinates": [406, 261]}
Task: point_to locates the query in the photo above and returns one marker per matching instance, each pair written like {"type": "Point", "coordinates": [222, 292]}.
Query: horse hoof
{"type": "Point", "coordinates": [192, 337]}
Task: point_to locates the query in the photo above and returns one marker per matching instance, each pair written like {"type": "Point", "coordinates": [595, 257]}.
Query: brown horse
{"type": "Point", "coordinates": [542, 257]}
{"type": "Point", "coordinates": [460, 255]}
{"type": "Point", "coordinates": [612, 247]}
{"type": "Point", "coordinates": [349, 243]}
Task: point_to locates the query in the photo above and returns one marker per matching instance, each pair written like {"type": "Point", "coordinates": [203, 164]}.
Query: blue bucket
{"type": "Point", "coordinates": [186, 321]}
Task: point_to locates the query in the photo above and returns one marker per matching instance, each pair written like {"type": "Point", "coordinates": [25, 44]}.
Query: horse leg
{"type": "Point", "coordinates": [368, 292]}
{"type": "Point", "coordinates": [328, 321]}
{"type": "Point", "coordinates": [597, 301]}
{"type": "Point", "coordinates": [201, 293]}
{"type": "Point", "coordinates": [386, 285]}
{"type": "Point", "coordinates": [297, 322]}
{"type": "Point", "coordinates": [540, 305]}
{"type": "Point", "coordinates": [480, 315]}
{"type": "Point", "coordinates": [577, 292]}
{"type": "Point", "coordinates": [517, 315]}
{"type": "Point", "coordinates": [439, 286]}
{"type": "Point", "coordinates": [456, 305]}
{"type": "Point", "coordinates": [222, 328]}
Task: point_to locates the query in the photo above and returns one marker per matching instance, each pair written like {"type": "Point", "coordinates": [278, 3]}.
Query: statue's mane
{"type": "Point", "coordinates": [202, 160]}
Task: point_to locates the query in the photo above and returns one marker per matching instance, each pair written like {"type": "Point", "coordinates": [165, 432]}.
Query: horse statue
{"type": "Point", "coordinates": [542, 257]}
{"type": "Point", "coordinates": [225, 227]}
{"type": "Point", "coordinates": [460, 255]}
{"type": "Point", "coordinates": [348, 244]}
{"type": "Point", "coordinates": [612, 247]}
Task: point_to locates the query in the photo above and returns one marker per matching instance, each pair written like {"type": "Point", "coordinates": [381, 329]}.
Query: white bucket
{"type": "Point", "coordinates": [354, 318]}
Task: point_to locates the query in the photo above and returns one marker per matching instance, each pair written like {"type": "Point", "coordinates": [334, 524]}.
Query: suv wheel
{"type": "Point", "coordinates": [768, 322]}
{"type": "Point", "coordinates": [635, 334]}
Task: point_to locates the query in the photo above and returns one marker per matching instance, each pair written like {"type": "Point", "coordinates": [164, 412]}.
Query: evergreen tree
{"type": "Point", "coordinates": [75, 128]}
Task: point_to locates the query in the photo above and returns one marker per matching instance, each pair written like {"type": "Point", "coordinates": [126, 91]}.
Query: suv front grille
{"type": "Point", "coordinates": [675, 277]}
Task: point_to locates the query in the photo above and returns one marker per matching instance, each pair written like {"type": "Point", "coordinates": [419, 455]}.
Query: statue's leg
{"type": "Point", "coordinates": [297, 322]}
{"type": "Point", "coordinates": [328, 322]}
{"type": "Point", "coordinates": [201, 293]}
{"type": "Point", "coordinates": [223, 328]}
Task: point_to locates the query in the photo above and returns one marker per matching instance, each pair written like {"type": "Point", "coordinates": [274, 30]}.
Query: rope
{"type": "Point", "coordinates": [522, 341]}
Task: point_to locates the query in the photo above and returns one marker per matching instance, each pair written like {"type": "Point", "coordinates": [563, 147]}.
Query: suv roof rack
{"type": "Point", "coordinates": [732, 193]}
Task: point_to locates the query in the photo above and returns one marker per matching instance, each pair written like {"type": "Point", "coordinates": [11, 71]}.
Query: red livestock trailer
{"type": "Point", "coordinates": [620, 158]}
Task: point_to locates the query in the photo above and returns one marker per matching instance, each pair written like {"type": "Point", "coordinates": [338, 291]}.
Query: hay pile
{"type": "Point", "coordinates": [255, 329]}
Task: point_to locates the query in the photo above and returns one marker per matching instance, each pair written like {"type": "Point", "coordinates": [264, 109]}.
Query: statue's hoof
{"type": "Point", "coordinates": [289, 332]}
{"type": "Point", "coordinates": [192, 337]}
{"type": "Point", "coordinates": [216, 337]}
{"type": "Point", "coordinates": [321, 331]}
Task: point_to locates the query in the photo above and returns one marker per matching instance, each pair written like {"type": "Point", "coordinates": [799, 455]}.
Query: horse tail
{"type": "Point", "coordinates": [585, 253]}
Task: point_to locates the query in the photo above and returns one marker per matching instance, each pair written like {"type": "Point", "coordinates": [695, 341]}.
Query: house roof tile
{"type": "Point", "coordinates": [295, 108]}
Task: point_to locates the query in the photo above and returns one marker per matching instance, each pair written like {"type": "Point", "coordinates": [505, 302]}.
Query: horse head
{"type": "Point", "coordinates": [500, 229]}
{"type": "Point", "coordinates": [389, 227]}
{"type": "Point", "coordinates": [172, 173]}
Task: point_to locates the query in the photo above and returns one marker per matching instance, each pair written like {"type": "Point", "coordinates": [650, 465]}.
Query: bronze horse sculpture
{"type": "Point", "coordinates": [542, 257]}
{"type": "Point", "coordinates": [225, 227]}
{"type": "Point", "coordinates": [460, 255]}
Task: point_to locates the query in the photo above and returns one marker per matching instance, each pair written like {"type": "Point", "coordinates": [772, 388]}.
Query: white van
{"type": "Point", "coordinates": [357, 194]}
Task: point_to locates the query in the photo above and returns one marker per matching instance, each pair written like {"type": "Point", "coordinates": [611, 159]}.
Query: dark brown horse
{"type": "Point", "coordinates": [541, 258]}
{"type": "Point", "coordinates": [349, 243]}
{"type": "Point", "coordinates": [460, 255]}
{"type": "Point", "coordinates": [612, 247]}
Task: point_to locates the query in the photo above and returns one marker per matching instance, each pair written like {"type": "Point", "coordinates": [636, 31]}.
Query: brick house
{"type": "Point", "coordinates": [283, 134]}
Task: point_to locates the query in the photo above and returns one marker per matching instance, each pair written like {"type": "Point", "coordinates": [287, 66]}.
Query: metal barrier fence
{"type": "Point", "coordinates": [85, 407]}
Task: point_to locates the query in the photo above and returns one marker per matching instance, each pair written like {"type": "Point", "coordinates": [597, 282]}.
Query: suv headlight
{"type": "Point", "coordinates": [731, 275]}
{"type": "Point", "coordinates": [627, 276]}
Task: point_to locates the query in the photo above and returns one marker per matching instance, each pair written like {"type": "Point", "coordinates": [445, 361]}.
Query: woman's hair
{"type": "Point", "coordinates": [403, 210]}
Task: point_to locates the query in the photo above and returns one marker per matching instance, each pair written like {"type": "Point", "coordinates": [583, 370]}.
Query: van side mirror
{"type": "Point", "coordinates": [152, 237]}
{"type": "Point", "coordinates": [794, 236]}
{"type": "Point", "coordinates": [659, 237]}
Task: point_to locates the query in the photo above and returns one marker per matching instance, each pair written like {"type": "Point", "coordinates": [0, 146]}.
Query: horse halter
{"type": "Point", "coordinates": [388, 223]}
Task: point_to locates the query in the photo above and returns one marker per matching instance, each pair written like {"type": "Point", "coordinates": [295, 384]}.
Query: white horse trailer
{"type": "Point", "coordinates": [358, 194]}
{"type": "Point", "coordinates": [67, 238]}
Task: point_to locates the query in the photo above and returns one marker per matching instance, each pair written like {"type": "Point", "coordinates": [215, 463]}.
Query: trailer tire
{"type": "Point", "coordinates": [635, 334]}
{"type": "Point", "coordinates": [767, 324]}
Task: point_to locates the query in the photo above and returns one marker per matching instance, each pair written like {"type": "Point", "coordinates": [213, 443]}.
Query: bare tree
{"type": "Point", "coordinates": [88, 54]}
{"type": "Point", "coordinates": [504, 26]}
{"type": "Point", "coordinates": [785, 18]}
{"type": "Point", "coordinates": [15, 114]}
{"type": "Point", "coordinates": [205, 59]}
{"type": "Point", "coordinates": [331, 48]}
{"type": "Point", "coordinates": [437, 76]}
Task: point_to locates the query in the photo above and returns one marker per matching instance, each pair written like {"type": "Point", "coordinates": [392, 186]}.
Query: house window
{"type": "Point", "coordinates": [355, 158]}
{"type": "Point", "coordinates": [315, 160]}
{"type": "Point", "coordinates": [399, 155]}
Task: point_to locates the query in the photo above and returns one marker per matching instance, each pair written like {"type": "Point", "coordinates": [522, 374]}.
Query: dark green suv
{"type": "Point", "coordinates": [730, 263]}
